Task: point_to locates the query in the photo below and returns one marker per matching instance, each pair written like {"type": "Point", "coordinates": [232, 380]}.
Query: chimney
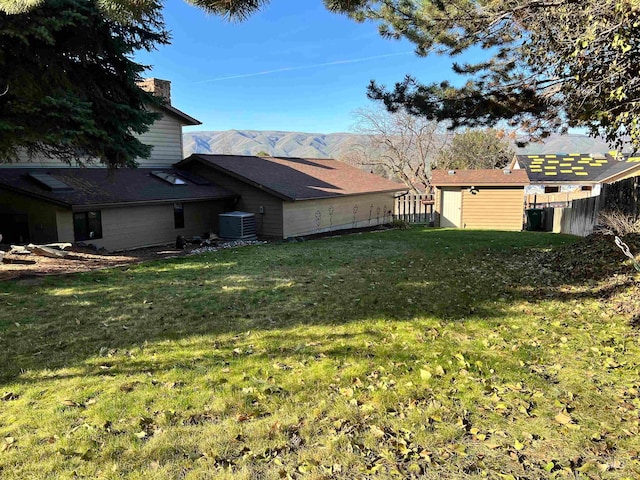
{"type": "Point", "coordinates": [160, 88]}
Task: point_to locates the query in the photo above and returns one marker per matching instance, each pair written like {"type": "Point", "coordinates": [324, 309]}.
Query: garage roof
{"type": "Point", "coordinates": [482, 177]}
{"type": "Point", "coordinates": [291, 178]}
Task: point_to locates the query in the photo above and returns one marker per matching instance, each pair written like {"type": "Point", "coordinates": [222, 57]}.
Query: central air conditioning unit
{"type": "Point", "coordinates": [238, 226]}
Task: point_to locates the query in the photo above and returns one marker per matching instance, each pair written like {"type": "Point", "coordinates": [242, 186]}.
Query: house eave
{"type": "Point", "coordinates": [83, 207]}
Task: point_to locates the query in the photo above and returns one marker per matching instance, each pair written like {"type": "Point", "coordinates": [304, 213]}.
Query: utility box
{"type": "Point", "coordinates": [238, 226]}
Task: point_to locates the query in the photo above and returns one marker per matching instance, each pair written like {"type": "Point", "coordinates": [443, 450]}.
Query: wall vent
{"type": "Point", "coordinates": [238, 226]}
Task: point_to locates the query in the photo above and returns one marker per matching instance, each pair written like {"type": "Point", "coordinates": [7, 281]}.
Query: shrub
{"type": "Point", "coordinates": [618, 223]}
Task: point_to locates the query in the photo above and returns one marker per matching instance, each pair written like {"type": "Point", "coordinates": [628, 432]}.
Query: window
{"type": "Point", "coordinates": [87, 226]}
{"type": "Point", "coordinates": [551, 189]}
{"type": "Point", "coordinates": [178, 215]}
{"type": "Point", "coordinates": [586, 188]}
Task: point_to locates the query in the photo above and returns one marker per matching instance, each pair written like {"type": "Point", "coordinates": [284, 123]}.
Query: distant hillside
{"type": "Point", "coordinates": [334, 145]}
{"type": "Point", "coordinates": [282, 144]}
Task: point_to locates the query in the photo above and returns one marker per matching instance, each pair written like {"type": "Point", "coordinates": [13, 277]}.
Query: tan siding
{"type": "Point", "coordinates": [269, 223]}
{"type": "Point", "coordinates": [306, 217]}
{"type": "Point", "coordinates": [42, 215]}
{"type": "Point", "coordinates": [493, 208]}
{"type": "Point", "coordinates": [132, 227]}
{"type": "Point", "coordinates": [165, 135]}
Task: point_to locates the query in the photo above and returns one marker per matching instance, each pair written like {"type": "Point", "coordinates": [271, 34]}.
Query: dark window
{"type": "Point", "coordinates": [178, 215]}
{"type": "Point", "coordinates": [87, 226]}
{"type": "Point", "coordinates": [551, 189]}
{"type": "Point", "coordinates": [587, 188]}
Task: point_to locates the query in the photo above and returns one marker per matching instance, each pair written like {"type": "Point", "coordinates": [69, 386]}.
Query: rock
{"type": "Point", "coordinates": [19, 250]}
{"type": "Point", "coordinates": [58, 246]}
{"type": "Point", "coordinates": [47, 252]}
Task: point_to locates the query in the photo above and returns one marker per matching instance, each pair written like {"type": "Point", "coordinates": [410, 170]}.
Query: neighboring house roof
{"type": "Point", "coordinates": [575, 167]}
{"type": "Point", "coordinates": [185, 119]}
{"type": "Point", "coordinates": [99, 187]}
{"type": "Point", "coordinates": [298, 178]}
{"type": "Point", "coordinates": [479, 178]}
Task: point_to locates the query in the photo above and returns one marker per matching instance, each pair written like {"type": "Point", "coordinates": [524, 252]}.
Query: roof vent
{"type": "Point", "coordinates": [451, 172]}
{"type": "Point", "coordinates": [506, 171]}
{"type": "Point", "coordinates": [49, 182]}
{"type": "Point", "coordinates": [169, 178]}
{"type": "Point", "coordinates": [238, 225]}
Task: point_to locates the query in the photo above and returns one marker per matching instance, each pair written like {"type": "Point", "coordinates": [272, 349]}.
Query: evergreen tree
{"type": "Point", "coordinates": [548, 66]}
{"type": "Point", "coordinates": [68, 83]}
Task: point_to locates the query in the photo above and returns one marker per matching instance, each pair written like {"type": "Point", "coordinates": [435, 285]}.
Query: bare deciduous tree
{"type": "Point", "coordinates": [398, 145]}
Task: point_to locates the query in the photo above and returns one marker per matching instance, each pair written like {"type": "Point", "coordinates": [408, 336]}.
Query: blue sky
{"type": "Point", "coordinates": [293, 66]}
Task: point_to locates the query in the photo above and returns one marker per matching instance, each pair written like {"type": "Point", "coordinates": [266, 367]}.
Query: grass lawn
{"type": "Point", "coordinates": [421, 353]}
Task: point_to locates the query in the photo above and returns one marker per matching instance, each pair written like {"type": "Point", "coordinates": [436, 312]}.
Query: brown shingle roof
{"type": "Point", "coordinates": [92, 187]}
{"type": "Point", "coordinates": [441, 178]}
{"type": "Point", "coordinates": [298, 178]}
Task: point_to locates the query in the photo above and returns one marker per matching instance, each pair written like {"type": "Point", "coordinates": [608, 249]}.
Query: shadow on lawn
{"type": "Point", "coordinates": [392, 276]}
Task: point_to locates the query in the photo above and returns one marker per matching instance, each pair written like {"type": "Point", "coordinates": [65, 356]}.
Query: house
{"type": "Point", "coordinates": [564, 177]}
{"type": "Point", "coordinates": [293, 197]}
{"type": "Point", "coordinates": [46, 200]}
{"type": "Point", "coordinates": [164, 135]}
{"type": "Point", "coordinates": [480, 199]}
{"type": "Point", "coordinates": [116, 210]}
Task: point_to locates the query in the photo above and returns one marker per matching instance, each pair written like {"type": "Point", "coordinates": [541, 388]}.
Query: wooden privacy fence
{"type": "Point", "coordinates": [623, 196]}
{"type": "Point", "coordinates": [414, 208]}
{"type": "Point", "coordinates": [554, 200]}
{"type": "Point", "coordinates": [581, 217]}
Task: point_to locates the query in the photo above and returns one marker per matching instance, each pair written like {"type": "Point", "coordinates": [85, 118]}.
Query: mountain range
{"type": "Point", "coordinates": [335, 145]}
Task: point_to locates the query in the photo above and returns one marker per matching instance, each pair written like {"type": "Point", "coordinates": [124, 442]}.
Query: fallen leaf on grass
{"type": "Point", "coordinates": [243, 417]}
{"type": "Point", "coordinates": [563, 418]}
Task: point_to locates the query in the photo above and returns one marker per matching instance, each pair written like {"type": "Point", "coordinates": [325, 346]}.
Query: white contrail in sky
{"type": "Point", "coordinates": [303, 67]}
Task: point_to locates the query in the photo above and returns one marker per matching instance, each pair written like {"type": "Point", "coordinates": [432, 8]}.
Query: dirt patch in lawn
{"type": "Point", "coordinates": [81, 260]}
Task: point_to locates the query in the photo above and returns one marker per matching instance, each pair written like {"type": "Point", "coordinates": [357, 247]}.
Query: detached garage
{"type": "Point", "coordinates": [480, 199]}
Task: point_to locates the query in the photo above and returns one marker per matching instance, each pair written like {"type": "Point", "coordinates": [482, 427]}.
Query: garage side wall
{"type": "Point", "coordinates": [133, 227]}
{"type": "Point", "coordinates": [494, 208]}
{"type": "Point", "coordinates": [307, 217]}
{"type": "Point", "coordinates": [269, 223]}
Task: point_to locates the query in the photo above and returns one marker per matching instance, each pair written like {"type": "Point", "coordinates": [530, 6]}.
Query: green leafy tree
{"type": "Point", "coordinates": [474, 149]}
{"type": "Point", "coordinates": [68, 84]}
{"type": "Point", "coordinates": [550, 65]}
